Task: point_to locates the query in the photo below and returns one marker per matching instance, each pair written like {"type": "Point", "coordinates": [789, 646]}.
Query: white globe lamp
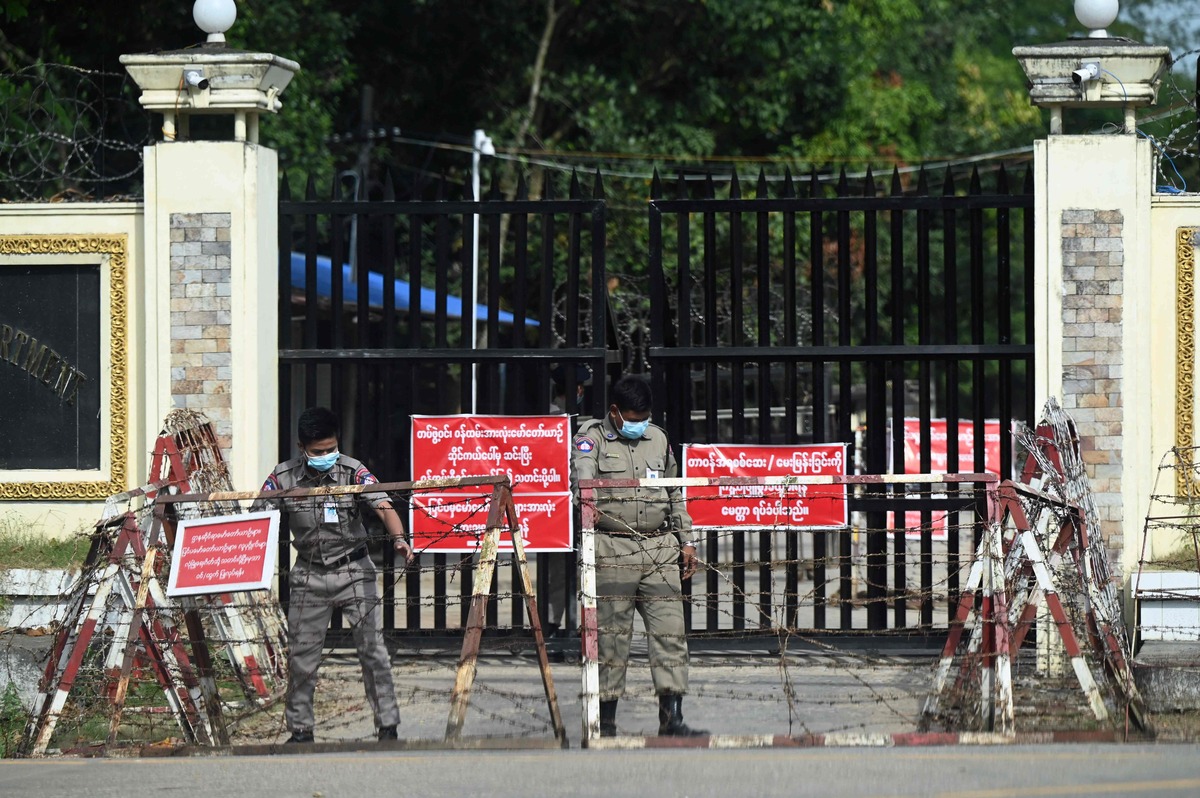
{"type": "Point", "coordinates": [214, 17]}
{"type": "Point", "coordinates": [1096, 15]}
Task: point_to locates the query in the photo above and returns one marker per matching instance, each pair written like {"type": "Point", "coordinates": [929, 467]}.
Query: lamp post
{"type": "Point", "coordinates": [481, 145]}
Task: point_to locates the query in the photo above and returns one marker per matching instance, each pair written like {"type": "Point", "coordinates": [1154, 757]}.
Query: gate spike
{"type": "Point", "coordinates": [975, 187]}
{"type": "Point", "coordinates": [869, 183]}
{"type": "Point", "coordinates": [522, 187]}
{"type": "Point", "coordinates": [681, 189]}
{"type": "Point", "coordinates": [762, 184]}
{"type": "Point", "coordinates": [285, 191]}
{"type": "Point", "coordinates": [948, 185]}
{"type": "Point", "coordinates": [814, 182]}
{"type": "Point", "coordinates": [655, 185]}
{"type": "Point", "coordinates": [789, 188]}
{"type": "Point", "coordinates": [1002, 181]}
{"type": "Point", "coordinates": [843, 183]}
{"type": "Point", "coordinates": [548, 187]}
{"type": "Point", "coordinates": [922, 183]}
{"type": "Point", "coordinates": [389, 186]}
{"type": "Point", "coordinates": [573, 192]}
{"type": "Point", "coordinates": [310, 189]}
{"type": "Point", "coordinates": [598, 185]}
{"type": "Point", "coordinates": [494, 193]}
{"type": "Point", "coordinates": [735, 188]}
{"type": "Point", "coordinates": [897, 186]}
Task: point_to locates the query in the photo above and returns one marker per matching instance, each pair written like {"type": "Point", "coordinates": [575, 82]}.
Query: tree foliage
{"type": "Point", "coordinates": [810, 83]}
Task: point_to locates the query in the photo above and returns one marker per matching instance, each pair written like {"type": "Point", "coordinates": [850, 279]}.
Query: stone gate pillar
{"type": "Point", "coordinates": [211, 243]}
{"type": "Point", "coordinates": [1093, 249]}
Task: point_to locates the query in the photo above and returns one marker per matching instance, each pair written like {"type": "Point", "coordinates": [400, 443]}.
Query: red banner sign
{"type": "Point", "coordinates": [939, 459]}
{"type": "Point", "coordinates": [938, 451]}
{"type": "Point", "coordinates": [532, 451]}
{"type": "Point", "coordinates": [760, 506]}
{"type": "Point", "coordinates": [224, 554]}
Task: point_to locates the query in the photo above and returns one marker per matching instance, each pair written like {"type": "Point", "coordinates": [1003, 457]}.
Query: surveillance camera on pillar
{"type": "Point", "coordinates": [211, 78]}
{"type": "Point", "coordinates": [1094, 69]}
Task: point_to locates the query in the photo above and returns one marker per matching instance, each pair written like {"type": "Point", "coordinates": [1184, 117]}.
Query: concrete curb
{"type": "Point", "coordinates": [900, 740]}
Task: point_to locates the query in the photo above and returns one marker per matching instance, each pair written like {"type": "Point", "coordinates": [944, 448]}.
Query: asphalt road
{"type": "Point", "coordinates": [962, 772]}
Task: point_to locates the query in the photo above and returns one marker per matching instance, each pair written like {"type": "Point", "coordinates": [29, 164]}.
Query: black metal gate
{"type": "Point", "coordinates": [818, 311]}
{"type": "Point", "coordinates": [382, 328]}
{"type": "Point", "coordinates": [832, 311]}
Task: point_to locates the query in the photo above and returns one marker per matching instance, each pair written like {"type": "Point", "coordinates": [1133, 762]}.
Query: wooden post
{"type": "Point", "coordinates": [535, 621]}
{"type": "Point", "coordinates": [200, 656]}
{"type": "Point", "coordinates": [139, 607]}
{"type": "Point", "coordinates": [461, 697]}
{"type": "Point", "coordinates": [502, 511]}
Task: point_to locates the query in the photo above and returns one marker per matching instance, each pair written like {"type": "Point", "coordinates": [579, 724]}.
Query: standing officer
{"type": "Point", "coordinates": [640, 534]}
{"type": "Point", "coordinates": [333, 569]}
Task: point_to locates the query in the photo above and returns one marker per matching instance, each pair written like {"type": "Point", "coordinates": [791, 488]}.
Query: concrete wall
{"type": "Point", "coordinates": [1093, 307]}
{"type": "Point", "coordinates": [1174, 412]}
{"type": "Point", "coordinates": [1112, 343]}
{"type": "Point", "coordinates": [200, 314]}
{"type": "Point", "coordinates": [213, 250]}
{"type": "Point", "coordinates": [25, 506]}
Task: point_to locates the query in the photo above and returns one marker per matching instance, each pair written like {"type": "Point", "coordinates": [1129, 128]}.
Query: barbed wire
{"type": "Point", "coordinates": [68, 133]}
{"type": "Point", "coordinates": [819, 684]}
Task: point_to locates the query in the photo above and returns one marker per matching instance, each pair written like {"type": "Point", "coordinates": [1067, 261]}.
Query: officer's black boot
{"type": "Point", "coordinates": [608, 718]}
{"type": "Point", "coordinates": [670, 718]}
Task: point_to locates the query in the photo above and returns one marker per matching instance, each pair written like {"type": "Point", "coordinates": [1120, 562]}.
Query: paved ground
{"type": "Point", "coordinates": [730, 694]}
{"type": "Point", "coordinates": [848, 697]}
{"type": "Point", "coordinates": [1060, 771]}
{"type": "Point", "coordinates": [843, 696]}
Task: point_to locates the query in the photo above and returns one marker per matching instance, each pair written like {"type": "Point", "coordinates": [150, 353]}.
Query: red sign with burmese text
{"type": "Point", "coordinates": [939, 459]}
{"type": "Point", "coordinates": [532, 451]}
{"type": "Point", "coordinates": [938, 450]}
{"type": "Point", "coordinates": [224, 554]}
{"type": "Point", "coordinates": [760, 506]}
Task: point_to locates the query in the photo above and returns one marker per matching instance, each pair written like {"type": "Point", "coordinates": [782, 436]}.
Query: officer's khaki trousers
{"type": "Point", "coordinates": [641, 573]}
{"type": "Point", "coordinates": [314, 594]}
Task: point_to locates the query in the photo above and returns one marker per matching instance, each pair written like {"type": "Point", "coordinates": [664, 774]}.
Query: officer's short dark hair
{"type": "Point", "coordinates": [317, 424]}
{"type": "Point", "coordinates": [632, 392]}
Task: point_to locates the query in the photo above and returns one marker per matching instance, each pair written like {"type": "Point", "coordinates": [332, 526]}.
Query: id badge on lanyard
{"type": "Point", "coordinates": [331, 514]}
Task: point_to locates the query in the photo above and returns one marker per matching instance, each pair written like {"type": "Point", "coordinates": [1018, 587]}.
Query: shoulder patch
{"type": "Point", "coordinates": [584, 443]}
{"type": "Point", "coordinates": [364, 477]}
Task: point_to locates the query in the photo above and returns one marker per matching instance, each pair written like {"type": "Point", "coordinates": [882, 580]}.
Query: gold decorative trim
{"type": "Point", "coordinates": [116, 247]}
{"type": "Point", "coordinates": [1185, 353]}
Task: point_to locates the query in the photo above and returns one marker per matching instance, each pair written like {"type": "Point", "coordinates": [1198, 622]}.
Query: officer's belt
{"type": "Point", "coordinates": [353, 556]}
{"type": "Point", "coordinates": [630, 533]}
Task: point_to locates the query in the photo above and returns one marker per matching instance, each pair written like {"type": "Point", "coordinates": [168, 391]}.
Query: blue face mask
{"type": "Point", "coordinates": [324, 462]}
{"type": "Point", "coordinates": [632, 429]}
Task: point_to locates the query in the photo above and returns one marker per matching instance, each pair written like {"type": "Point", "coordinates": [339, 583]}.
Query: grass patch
{"type": "Point", "coordinates": [22, 549]}
{"type": "Point", "coordinates": [12, 721]}
{"type": "Point", "coordinates": [1181, 558]}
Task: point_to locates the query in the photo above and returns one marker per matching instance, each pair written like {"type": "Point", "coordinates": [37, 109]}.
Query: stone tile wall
{"type": "Point", "coordinates": [1093, 359]}
{"type": "Point", "coordinates": [201, 363]}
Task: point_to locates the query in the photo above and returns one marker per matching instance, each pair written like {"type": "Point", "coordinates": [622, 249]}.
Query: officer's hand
{"type": "Point", "coordinates": [690, 562]}
{"type": "Point", "coordinates": [404, 548]}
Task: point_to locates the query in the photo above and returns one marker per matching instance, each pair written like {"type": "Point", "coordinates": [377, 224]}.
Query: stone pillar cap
{"type": "Point", "coordinates": [221, 80]}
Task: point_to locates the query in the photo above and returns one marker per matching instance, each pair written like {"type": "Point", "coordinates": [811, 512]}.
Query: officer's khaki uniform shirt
{"type": "Point", "coordinates": [598, 451]}
{"type": "Point", "coordinates": [324, 528]}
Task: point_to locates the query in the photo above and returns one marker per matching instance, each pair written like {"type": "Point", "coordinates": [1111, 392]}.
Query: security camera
{"type": "Point", "coordinates": [1086, 73]}
{"type": "Point", "coordinates": [194, 78]}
